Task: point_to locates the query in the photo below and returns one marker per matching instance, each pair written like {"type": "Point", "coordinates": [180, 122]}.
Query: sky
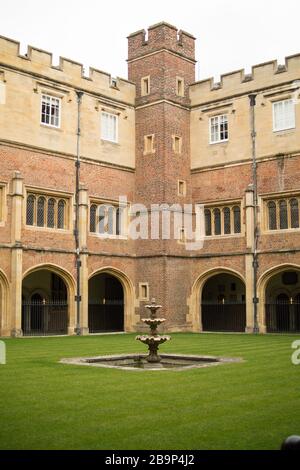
{"type": "Point", "coordinates": [231, 34]}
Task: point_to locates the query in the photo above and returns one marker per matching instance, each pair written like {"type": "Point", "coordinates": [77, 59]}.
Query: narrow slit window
{"type": "Point", "coordinates": [144, 291]}
{"type": "Point", "coordinates": [177, 144]}
{"type": "Point", "coordinates": [149, 144]}
{"type": "Point", "coordinates": [181, 188]}
{"type": "Point", "coordinates": [145, 86]}
{"type": "Point", "coordinates": [179, 86]}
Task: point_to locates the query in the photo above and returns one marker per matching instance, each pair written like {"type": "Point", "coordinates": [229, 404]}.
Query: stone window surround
{"type": "Point", "coordinates": [149, 144]}
{"type": "Point", "coordinates": [145, 86]}
{"type": "Point", "coordinates": [48, 194]}
{"type": "Point", "coordinates": [124, 221]}
{"type": "Point", "coordinates": [3, 205]}
{"type": "Point", "coordinates": [221, 205]}
{"type": "Point", "coordinates": [276, 197]}
{"type": "Point", "coordinates": [143, 285]}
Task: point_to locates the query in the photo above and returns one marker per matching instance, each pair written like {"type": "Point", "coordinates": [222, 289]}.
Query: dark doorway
{"type": "Point", "coordinates": [223, 304]}
{"type": "Point", "coordinates": [283, 314]}
{"type": "Point", "coordinates": [283, 303]}
{"type": "Point", "coordinates": [106, 304]}
{"type": "Point", "coordinates": [44, 313]}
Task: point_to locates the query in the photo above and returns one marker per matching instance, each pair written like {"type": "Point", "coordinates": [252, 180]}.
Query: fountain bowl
{"type": "Point", "coordinates": [139, 362]}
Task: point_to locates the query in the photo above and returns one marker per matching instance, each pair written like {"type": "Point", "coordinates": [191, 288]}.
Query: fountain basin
{"type": "Point", "coordinates": [138, 362]}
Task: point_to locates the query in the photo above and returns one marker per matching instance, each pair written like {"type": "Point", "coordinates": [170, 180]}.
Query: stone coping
{"type": "Point", "coordinates": [179, 361]}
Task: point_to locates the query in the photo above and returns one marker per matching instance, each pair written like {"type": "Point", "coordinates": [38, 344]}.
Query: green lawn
{"type": "Point", "coordinates": [250, 405]}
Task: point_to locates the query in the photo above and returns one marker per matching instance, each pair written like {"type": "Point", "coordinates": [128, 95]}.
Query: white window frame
{"type": "Point", "coordinates": [52, 98]}
{"type": "Point", "coordinates": [287, 125]}
{"type": "Point", "coordinates": [218, 118]}
{"type": "Point", "coordinates": [107, 137]}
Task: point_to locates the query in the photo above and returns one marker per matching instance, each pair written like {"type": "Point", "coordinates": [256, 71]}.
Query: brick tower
{"type": "Point", "coordinates": [163, 68]}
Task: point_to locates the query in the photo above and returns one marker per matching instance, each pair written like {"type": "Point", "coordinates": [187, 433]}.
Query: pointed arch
{"type": "Point", "coordinates": [130, 319]}
{"type": "Point", "coordinates": [195, 314]}
{"type": "Point", "coordinates": [70, 285]}
{"type": "Point", "coordinates": [4, 301]}
{"type": "Point", "coordinates": [262, 285]}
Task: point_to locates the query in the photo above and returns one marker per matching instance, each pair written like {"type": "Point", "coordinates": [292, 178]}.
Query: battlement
{"type": "Point", "coordinates": [161, 36]}
{"type": "Point", "coordinates": [40, 63]}
{"type": "Point", "coordinates": [263, 75]}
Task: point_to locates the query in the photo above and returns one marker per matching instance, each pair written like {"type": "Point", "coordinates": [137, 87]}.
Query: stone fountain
{"type": "Point", "coordinates": [154, 340]}
{"type": "Point", "coordinates": [152, 361]}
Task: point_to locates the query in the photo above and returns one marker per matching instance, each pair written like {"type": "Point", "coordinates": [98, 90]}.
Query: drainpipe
{"type": "Point", "coordinates": [76, 230]}
{"type": "Point", "coordinates": [252, 98]}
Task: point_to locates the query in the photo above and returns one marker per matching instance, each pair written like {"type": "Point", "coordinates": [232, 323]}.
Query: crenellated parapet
{"type": "Point", "coordinates": [265, 75]}
{"type": "Point", "coordinates": [39, 63]}
{"type": "Point", "coordinates": [161, 36]}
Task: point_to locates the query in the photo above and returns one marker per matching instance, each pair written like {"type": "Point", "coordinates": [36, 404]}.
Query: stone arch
{"type": "Point", "coordinates": [4, 302]}
{"type": "Point", "coordinates": [197, 289]}
{"type": "Point", "coordinates": [128, 288]}
{"type": "Point", "coordinates": [262, 287]}
{"type": "Point", "coordinates": [70, 285]}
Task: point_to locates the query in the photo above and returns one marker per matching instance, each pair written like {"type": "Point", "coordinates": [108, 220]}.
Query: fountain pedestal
{"type": "Point", "coordinates": [154, 340]}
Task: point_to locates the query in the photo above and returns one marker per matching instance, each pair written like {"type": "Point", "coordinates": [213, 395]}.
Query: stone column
{"type": "Point", "coordinates": [84, 275]}
{"type": "Point", "coordinates": [249, 206]}
{"type": "Point", "coordinates": [16, 254]}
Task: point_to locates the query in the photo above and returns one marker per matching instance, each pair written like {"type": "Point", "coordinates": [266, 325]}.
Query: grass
{"type": "Point", "coordinates": [249, 405]}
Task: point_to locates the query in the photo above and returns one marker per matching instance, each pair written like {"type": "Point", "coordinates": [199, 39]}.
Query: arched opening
{"type": "Point", "coordinates": [282, 307]}
{"type": "Point", "coordinates": [223, 304]}
{"type": "Point", "coordinates": [4, 289]}
{"type": "Point", "coordinates": [106, 304]}
{"type": "Point", "coordinates": [45, 309]}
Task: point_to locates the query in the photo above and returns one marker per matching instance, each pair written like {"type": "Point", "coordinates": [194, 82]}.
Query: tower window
{"type": "Point", "coordinates": [179, 86]}
{"type": "Point", "coordinates": [149, 144]}
{"type": "Point", "coordinates": [145, 86]}
{"type": "Point", "coordinates": [144, 291]}
{"type": "Point", "coordinates": [181, 188]}
{"type": "Point", "coordinates": [114, 83]}
{"type": "Point", "coordinates": [177, 144]}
